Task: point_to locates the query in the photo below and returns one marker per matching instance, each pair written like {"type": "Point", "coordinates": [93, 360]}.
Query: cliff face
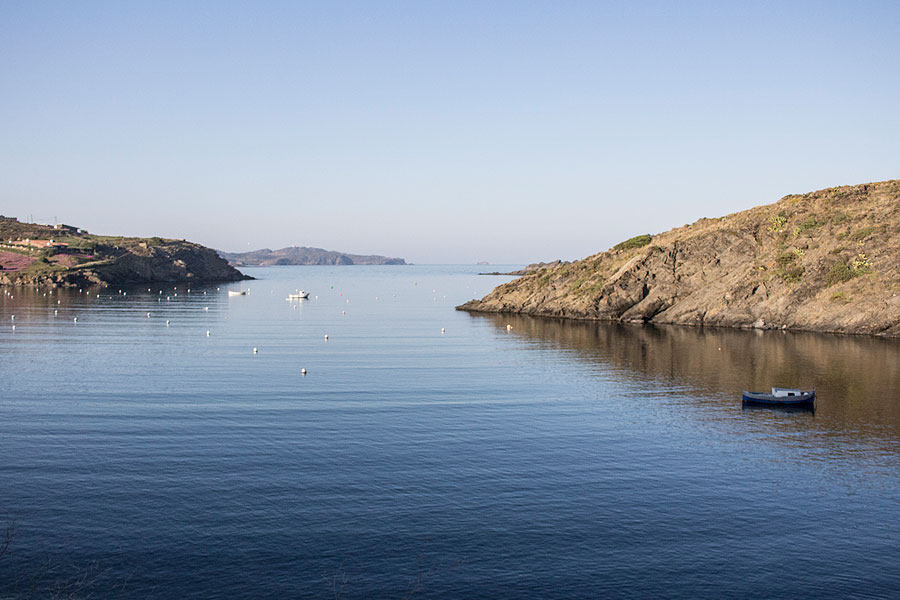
{"type": "Point", "coordinates": [825, 261]}
{"type": "Point", "coordinates": [297, 255]}
{"type": "Point", "coordinates": [81, 259]}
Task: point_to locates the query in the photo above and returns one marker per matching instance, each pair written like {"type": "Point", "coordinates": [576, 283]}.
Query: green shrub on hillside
{"type": "Point", "coordinates": [638, 241]}
{"type": "Point", "coordinates": [811, 222]}
{"type": "Point", "coordinates": [788, 269]}
{"type": "Point", "coordinates": [839, 273]}
{"type": "Point", "coordinates": [863, 233]}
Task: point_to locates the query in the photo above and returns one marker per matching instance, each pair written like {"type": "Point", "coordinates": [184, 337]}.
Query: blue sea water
{"type": "Point", "coordinates": [550, 460]}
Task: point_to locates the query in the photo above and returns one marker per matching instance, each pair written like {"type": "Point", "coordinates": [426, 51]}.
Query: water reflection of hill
{"type": "Point", "coordinates": [856, 376]}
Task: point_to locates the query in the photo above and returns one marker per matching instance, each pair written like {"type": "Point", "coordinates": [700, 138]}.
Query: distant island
{"type": "Point", "coordinates": [825, 261]}
{"type": "Point", "coordinates": [301, 255]}
{"type": "Point", "coordinates": [62, 255]}
{"type": "Point", "coordinates": [530, 268]}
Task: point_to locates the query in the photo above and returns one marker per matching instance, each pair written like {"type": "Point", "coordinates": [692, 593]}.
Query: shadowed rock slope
{"type": "Point", "coordinates": [824, 261]}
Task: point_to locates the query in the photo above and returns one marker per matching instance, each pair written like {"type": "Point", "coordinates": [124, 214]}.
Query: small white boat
{"type": "Point", "coordinates": [300, 295]}
{"type": "Point", "coordinates": [237, 293]}
{"type": "Point", "coordinates": [781, 397]}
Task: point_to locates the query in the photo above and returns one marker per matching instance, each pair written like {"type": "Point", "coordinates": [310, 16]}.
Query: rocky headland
{"type": "Point", "coordinates": [826, 261]}
{"type": "Point", "coordinates": [39, 255]}
{"type": "Point", "coordinates": [301, 255]}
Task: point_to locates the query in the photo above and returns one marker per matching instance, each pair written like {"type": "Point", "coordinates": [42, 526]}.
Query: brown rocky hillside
{"type": "Point", "coordinates": [824, 261]}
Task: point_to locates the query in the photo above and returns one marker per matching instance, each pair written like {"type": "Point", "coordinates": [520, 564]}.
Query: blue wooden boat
{"type": "Point", "coordinates": [781, 397]}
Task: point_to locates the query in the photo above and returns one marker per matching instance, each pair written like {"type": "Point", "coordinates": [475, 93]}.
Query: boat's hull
{"type": "Point", "coordinates": [808, 399]}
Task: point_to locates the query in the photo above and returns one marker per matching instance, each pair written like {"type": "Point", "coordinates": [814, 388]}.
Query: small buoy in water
{"type": "Point", "coordinates": [255, 351]}
{"type": "Point", "coordinates": [442, 330]}
{"type": "Point", "coordinates": [217, 289]}
{"type": "Point", "coordinates": [167, 322]}
{"type": "Point", "coordinates": [168, 298]}
{"type": "Point", "coordinates": [204, 293]}
{"type": "Point", "coordinates": [148, 315]}
{"type": "Point", "coordinates": [343, 312]}
{"type": "Point", "coordinates": [55, 312]}
{"type": "Point", "coordinates": [58, 302]}
{"type": "Point", "coordinates": [75, 320]}
{"type": "Point", "coordinates": [206, 308]}
{"type": "Point", "coordinates": [303, 371]}
{"type": "Point", "coordinates": [148, 289]}
{"type": "Point", "coordinates": [317, 297]}
{"type": "Point", "coordinates": [176, 294]}
{"type": "Point", "coordinates": [509, 327]}
{"type": "Point", "coordinates": [207, 334]}
{"type": "Point", "coordinates": [326, 337]}
{"type": "Point", "coordinates": [14, 327]}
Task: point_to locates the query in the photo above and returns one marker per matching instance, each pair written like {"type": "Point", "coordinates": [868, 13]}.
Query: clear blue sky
{"type": "Point", "coordinates": [440, 132]}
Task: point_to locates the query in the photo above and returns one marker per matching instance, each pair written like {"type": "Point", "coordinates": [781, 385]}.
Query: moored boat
{"type": "Point", "coordinates": [237, 293]}
{"type": "Point", "coordinates": [300, 295]}
{"type": "Point", "coordinates": [781, 397]}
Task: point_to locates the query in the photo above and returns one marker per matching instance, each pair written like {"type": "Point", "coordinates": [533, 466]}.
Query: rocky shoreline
{"type": "Point", "coordinates": [42, 255]}
{"type": "Point", "coordinates": [826, 261]}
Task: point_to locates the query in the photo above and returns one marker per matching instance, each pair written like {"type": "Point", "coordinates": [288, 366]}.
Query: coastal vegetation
{"type": "Point", "coordinates": [822, 261]}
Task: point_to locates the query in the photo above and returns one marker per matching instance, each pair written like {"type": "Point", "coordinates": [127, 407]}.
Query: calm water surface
{"type": "Point", "coordinates": [554, 460]}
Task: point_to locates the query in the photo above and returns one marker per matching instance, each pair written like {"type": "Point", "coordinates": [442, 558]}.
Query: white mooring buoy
{"type": "Point", "coordinates": [442, 330]}
{"type": "Point", "coordinates": [148, 315]}
{"type": "Point", "coordinates": [207, 334]}
{"type": "Point", "coordinates": [303, 371]}
{"type": "Point", "coordinates": [167, 322]}
{"type": "Point", "coordinates": [326, 337]}
{"type": "Point", "coordinates": [255, 351]}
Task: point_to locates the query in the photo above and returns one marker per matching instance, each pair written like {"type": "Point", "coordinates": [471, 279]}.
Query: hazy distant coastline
{"type": "Point", "coordinates": [301, 255]}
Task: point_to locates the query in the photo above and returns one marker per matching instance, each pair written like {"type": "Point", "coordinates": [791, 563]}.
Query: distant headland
{"type": "Point", "coordinates": [825, 261]}
{"type": "Point", "coordinates": [300, 255]}
{"type": "Point", "coordinates": [62, 255]}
